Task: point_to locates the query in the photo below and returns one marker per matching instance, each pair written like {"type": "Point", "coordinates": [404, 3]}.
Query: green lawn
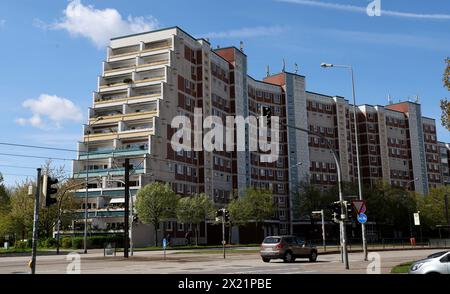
{"type": "Point", "coordinates": [401, 268]}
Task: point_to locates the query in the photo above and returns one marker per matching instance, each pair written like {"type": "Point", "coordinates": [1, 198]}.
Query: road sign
{"type": "Point", "coordinates": [359, 205]}
{"type": "Point", "coordinates": [416, 219]}
{"type": "Point", "coordinates": [362, 218]}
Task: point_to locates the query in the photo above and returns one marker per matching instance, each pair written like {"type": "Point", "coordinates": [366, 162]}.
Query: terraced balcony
{"type": "Point", "coordinates": [113, 153]}
{"type": "Point", "coordinates": [106, 172]}
{"type": "Point", "coordinates": [110, 192]}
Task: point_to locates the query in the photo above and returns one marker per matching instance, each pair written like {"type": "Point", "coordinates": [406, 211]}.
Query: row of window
{"type": "Point", "coordinates": [267, 173]}
{"type": "Point", "coordinates": [266, 95]}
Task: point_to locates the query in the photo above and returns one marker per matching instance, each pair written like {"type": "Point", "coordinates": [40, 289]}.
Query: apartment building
{"type": "Point", "coordinates": [150, 78]}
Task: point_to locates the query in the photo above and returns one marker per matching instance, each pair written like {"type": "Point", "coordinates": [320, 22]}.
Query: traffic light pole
{"type": "Point", "coordinates": [126, 237]}
{"type": "Point", "coordinates": [35, 222]}
{"type": "Point", "coordinates": [223, 231]}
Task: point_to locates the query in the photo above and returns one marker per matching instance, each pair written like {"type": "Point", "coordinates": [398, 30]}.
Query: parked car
{"type": "Point", "coordinates": [287, 248]}
{"type": "Point", "coordinates": [437, 263]}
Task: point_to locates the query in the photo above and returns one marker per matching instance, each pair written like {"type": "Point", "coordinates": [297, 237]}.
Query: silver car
{"type": "Point", "coordinates": [437, 263]}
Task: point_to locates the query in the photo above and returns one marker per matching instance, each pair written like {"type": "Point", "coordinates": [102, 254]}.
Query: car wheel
{"type": "Point", "coordinates": [288, 257]}
{"type": "Point", "coordinates": [313, 256]}
{"type": "Point", "coordinates": [265, 259]}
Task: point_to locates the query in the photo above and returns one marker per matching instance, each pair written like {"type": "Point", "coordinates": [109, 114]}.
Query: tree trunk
{"type": "Point", "coordinates": [196, 233]}
{"type": "Point", "coordinates": [155, 225]}
{"type": "Point", "coordinates": [256, 232]}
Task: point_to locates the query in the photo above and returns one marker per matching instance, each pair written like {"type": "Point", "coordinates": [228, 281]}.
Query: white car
{"type": "Point", "coordinates": [437, 263]}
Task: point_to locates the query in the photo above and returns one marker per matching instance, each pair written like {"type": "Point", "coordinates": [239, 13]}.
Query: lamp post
{"type": "Point", "coordinates": [363, 226]}
{"type": "Point", "coordinates": [409, 211]}
{"type": "Point", "coordinates": [342, 227]}
{"type": "Point", "coordinates": [86, 198]}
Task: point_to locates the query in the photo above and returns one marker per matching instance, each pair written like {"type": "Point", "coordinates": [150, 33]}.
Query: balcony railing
{"type": "Point", "coordinates": [105, 172]}
{"type": "Point", "coordinates": [114, 153]}
{"type": "Point", "coordinates": [108, 192]}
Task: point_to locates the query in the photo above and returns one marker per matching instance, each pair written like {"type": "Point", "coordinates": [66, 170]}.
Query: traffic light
{"type": "Point", "coordinates": [219, 214]}
{"type": "Point", "coordinates": [349, 211]}
{"type": "Point", "coordinates": [335, 208]}
{"type": "Point", "coordinates": [227, 216]}
{"type": "Point", "coordinates": [267, 113]}
{"type": "Point", "coordinates": [48, 190]}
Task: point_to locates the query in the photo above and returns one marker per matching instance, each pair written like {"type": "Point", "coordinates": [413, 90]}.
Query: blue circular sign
{"type": "Point", "coordinates": [362, 218]}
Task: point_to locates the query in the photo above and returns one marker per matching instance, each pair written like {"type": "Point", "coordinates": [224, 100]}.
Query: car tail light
{"type": "Point", "coordinates": [280, 246]}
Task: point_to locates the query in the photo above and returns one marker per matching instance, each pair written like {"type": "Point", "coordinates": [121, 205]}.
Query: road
{"type": "Point", "coordinates": [183, 262]}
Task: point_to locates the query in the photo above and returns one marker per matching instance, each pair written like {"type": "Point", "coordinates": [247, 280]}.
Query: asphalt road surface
{"type": "Point", "coordinates": [182, 262]}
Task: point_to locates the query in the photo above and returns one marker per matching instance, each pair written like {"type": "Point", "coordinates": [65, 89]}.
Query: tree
{"type": "Point", "coordinates": [239, 213]}
{"type": "Point", "coordinates": [432, 207]}
{"type": "Point", "coordinates": [390, 206]}
{"type": "Point", "coordinates": [445, 104]}
{"type": "Point", "coordinates": [261, 205]}
{"type": "Point", "coordinates": [155, 202]}
{"type": "Point", "coordinates": [311, 199]}
{"type": "Point", "coordinates": [194, 210]}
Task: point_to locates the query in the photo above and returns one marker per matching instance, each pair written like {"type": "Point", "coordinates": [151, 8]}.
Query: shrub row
{"type": "Point", "coordinates": [73, 242]}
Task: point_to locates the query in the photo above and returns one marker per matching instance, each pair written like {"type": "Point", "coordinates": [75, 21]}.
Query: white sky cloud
{"type": "Point", "coordinates": [99, 25]}
{"type": "Point", "coordinates": [50, 111]}
{"type": "Point", "coordinates": [248, 32]}
{"type": "Point", "coordinates": [360, 9]}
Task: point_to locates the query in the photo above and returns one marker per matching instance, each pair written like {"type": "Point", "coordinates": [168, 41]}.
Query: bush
{"type": "Point", "coordinates": [94, 242]}
{"type": "Point", "coordinates": [66, 242]}
{"type": "Point", "coordinates": [77, 243]}
{"type": "Point", "coordinates": [23, 244]}
{"type": "Point", "coordinates": [48, 243]}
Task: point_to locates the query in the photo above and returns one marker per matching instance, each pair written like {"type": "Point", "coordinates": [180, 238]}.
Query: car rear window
{"type": "Point", "coordinates": [271, 240]}
{"type": "Point", "coordinates": [438, 254]}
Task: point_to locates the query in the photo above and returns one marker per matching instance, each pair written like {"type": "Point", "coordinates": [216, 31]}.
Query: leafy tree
{"type": "Point", "coordinates": [239, 213]}
{"type": "Point", "coordinates": [194, 210]}
{"type": "Point", "coordinates": [445, 104]}
{"type": "Point", "coordinates": [391, 206]}
{"type": "Point", "coordinates": [260, 203]}
{"type": "Point", "coordinates": [155, 202]}
{"type": "Point", "coordinates": [432, 207]}
{"type": "Point", "coordinates": [4, 197]}
{"type": "Point", "coordinates": [311, 199]}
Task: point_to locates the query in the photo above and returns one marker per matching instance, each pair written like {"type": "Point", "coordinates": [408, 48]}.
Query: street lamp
{"type": "Point", "coordinates": [343, 233]}
{"type": "Point", "coordinates": [363, 226]}
{"type": "Point", "coordinates": [86, 198]}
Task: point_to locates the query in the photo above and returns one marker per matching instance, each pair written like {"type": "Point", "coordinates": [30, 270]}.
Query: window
{"type": "Point", "coordinates": [180, 188]}
{"type": "Point", "coordinates": [280, 174]}
{"type": "Point", "coordinates": [180, 227]}
{"type": "Point", "coordinates": [276, 98]}
{"type": "Point", "coordinates": [169, 226]}
{"type": "Point", "coordinates": [180, 169]}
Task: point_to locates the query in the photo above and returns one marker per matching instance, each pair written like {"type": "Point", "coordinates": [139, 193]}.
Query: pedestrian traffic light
{"type": "Point", "coordinates": [349, 211]}
{"type": "Point", "coordinates": [48, 190]}
{"type": "Point", "coordinates": [267, 113]}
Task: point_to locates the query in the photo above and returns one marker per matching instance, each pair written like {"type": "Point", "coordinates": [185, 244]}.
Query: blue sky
{"type": "Point", "coordinates": [52, 53]}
